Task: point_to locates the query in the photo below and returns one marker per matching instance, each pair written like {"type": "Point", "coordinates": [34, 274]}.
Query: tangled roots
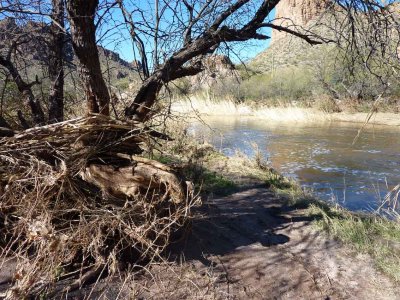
{"type": "Point", "coordinates": [76, 201]}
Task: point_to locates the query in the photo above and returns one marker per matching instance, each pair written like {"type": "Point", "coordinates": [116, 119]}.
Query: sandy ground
{"type": "Point", "coordinates": [379, 118]}
{"type": "Point", "coordinates": [249, 245]}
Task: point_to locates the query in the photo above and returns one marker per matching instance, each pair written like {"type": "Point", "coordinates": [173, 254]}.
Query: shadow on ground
{"type": "Point", "coordinates": [223, 225]}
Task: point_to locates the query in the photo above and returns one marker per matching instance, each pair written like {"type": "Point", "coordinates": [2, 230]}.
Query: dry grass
{"type": "Point", "coordinates": [203, 105]}
{"type": "Point", "coordinates": [227, 107]}
{"type": "Point", "coordinates": [64, 231]}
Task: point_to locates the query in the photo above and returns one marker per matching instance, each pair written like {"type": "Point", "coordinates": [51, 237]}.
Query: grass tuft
{"type": "Point", "coordinates": [374, 235]}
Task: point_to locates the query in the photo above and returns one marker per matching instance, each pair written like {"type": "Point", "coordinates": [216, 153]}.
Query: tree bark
{"type": "Point", "coordinates": [142, 178]}
{"type": "Point", "coordinates": [147, 94]}
{"type": "Point", "coordinates": [56, 65]}
{"type": "Point", "coordinates": [83, 31]}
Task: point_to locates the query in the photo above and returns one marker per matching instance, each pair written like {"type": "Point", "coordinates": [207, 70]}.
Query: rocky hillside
{"type": "Point", "coordinates": [313, 16]}
{"type": "Point", "coordinates": [289, 52]}
{"type": "Point", "coordinates": [286, 50]}
{"type": "Point", "coordinates": [297, 13]}
{"type": "Point", "coordinates": [32, 51]}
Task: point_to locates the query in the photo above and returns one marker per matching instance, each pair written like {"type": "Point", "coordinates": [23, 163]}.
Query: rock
{"type": "Point", "coordinates": [137, 65]}
{"type": "Point", "coordinates": [217, 68]}
{"type": "Point", "coordinates": [296, 12]}
{"type": "Point", "coordinates": [114, 57]}
{"type": "Point", "coordinates": [120, 75]}
{"type": "Point", "coordinates": [35, 36]}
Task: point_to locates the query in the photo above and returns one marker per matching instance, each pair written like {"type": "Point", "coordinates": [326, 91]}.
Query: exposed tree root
{"type": "Point", "coordinates": [75, 194]}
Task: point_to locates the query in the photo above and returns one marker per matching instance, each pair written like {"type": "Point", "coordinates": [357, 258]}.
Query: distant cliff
{"type": "Point", "coordinates": [291, 13]}
{"type": "Point", "coordinates": [287, 50]}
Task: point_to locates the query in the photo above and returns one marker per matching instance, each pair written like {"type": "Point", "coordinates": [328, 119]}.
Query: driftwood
{"type": "Point", "coordinates": [76, 194]}
{"type": "Point", "coordinates": [135, 180]}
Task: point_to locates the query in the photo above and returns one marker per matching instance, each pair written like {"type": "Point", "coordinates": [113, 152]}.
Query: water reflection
{"type": "Point", "coordinates": [320, 156]}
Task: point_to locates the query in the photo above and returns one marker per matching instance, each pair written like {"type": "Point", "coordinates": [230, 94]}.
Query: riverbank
{"type": "Point", "coordinates": [258, 235]}
{"type": "Point", "coordinates": [290, 114]}
{"type": "Point", "coordinates": [370, 236]}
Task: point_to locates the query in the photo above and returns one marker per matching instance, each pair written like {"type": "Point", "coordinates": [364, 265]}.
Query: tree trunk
{"type": "Point", "coordinates": [56, 66]}
{"type": "Point", "coordinates": [144, 100]}
{"type": "Point", "coordinates": [147, 95]}
{"type": "Point", "coordinates": [26, 90]}
{"type": "Point", "coordinates": [145, 177]}
{"type": "Point", "coordinates": [83, 31]}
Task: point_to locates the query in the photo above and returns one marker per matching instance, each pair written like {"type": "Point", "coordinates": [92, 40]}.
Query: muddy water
{"type": "Point", "coordinates": [320, 156]}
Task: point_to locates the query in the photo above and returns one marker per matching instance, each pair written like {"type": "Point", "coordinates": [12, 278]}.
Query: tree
{"type": "Point", "coordinates": [83, 32]}
{"type": "Point", "coordinates": [56, 63]}
{"type": "Point", "coordinates": [25, 89]}
{"type": "Point", "coordinates": [74, 178]}
{"type": "Point", "coordinates": [198, 28]}
{"type": "Point", "coordinates": [13, 40]}
{"type": "Point", "coordinates": [26, 36]}
{"type": "Point", "coordinates": [224, 25]}
{"type": "Point", "coordinates": [171, 38]}
{"type": "Point", "coordinates": [367, 35]}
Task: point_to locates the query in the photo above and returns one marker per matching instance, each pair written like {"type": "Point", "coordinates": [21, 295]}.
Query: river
{"type": "Point", "coordinates": [321, 157]}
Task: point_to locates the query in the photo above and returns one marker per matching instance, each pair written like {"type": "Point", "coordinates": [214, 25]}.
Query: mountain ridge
{"type": "Point", "coordinates": [33, 48]}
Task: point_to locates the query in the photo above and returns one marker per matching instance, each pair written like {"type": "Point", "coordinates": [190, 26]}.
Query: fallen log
{"type": "Point", "coordinates": [139, 179]}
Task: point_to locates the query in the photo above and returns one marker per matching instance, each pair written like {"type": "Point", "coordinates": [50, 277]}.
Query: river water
{"type": "Point", "coordinates": [320, 156]}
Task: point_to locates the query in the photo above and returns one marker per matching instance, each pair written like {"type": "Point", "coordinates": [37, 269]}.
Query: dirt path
{"type": "Point", "coordinates": [249, 246]}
